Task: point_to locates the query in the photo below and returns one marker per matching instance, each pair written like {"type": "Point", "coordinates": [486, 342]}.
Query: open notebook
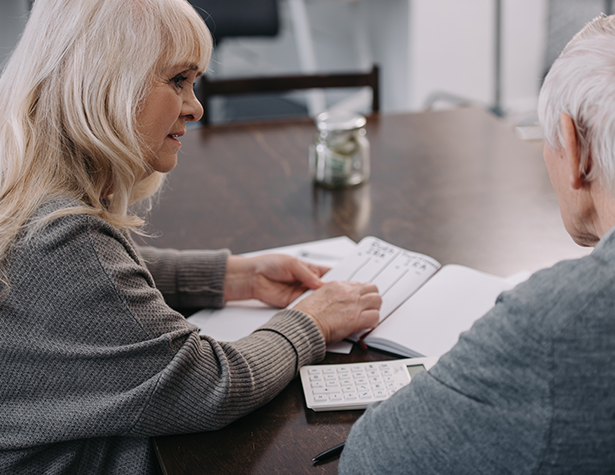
{"type": "Point", "coordinates": [425, 306]}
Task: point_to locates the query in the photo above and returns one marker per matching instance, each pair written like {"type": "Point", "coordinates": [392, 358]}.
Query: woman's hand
{"type": "Point", "coordinates": [275, 279]}
{"type": "Point", "coordinates": [343, 308]}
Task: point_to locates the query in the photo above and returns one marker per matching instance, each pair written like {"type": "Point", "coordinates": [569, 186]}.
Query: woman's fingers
{"type": "Point", "coordinates": [343, 308]}
{"type": "Point", "coordinates": [371, 318]}
{"type": "Point", "coordinates": [368, 288]}
{"type": "Point", "coordinates": [372, 300]}
{"type": "Point", "coordinates": [317, 269]}
{"type": "Point", "coordinates": [305, 274]}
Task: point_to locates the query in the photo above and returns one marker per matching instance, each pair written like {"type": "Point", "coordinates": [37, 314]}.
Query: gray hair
{"type": "Point", "coordinates": [581, 84]}
{"type": "Point", "coordinates": [69, 97]}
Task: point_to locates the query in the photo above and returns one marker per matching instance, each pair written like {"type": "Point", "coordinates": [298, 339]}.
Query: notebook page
{"type": "Point", "coordinates": [430, 322]}
{"type": "Point", "coordinates": [396, 272]}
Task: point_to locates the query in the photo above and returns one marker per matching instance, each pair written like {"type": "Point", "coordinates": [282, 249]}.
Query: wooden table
{"type": "Point", "coordinates": [456, 185]}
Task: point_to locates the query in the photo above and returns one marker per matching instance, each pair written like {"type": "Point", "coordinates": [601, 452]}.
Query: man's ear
{"type": "Point", "coordinates": [572, 153]}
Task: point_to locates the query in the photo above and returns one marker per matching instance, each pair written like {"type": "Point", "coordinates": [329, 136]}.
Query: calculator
{"type": "Point", "coordinates": [338, 387]}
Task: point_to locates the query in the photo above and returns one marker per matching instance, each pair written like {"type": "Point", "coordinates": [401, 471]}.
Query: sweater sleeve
{"type": "Point", "coordinates": [187, 279]}
{"type": "Point", "coordinates": [205, 384]}
{"type": "Point", "coordinates": [209, 384]}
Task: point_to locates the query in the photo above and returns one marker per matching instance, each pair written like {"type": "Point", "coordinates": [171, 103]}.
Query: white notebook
{"type": "Point", "coordinates": [425, 306]}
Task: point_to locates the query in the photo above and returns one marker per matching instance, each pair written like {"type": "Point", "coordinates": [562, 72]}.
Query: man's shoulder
{"type": "Point", "coordinates": [572, 283]}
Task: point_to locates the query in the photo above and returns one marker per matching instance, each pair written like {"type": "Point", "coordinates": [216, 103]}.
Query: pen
{"type": "Point", "coordinates": [336, 450]}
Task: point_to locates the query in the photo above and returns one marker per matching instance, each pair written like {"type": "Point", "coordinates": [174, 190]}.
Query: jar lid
{"type": "Point", "coordinates": [339, 121]}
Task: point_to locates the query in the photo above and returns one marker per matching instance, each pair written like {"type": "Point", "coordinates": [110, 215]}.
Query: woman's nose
{"type": "Point", "coordinates": [192, 109]}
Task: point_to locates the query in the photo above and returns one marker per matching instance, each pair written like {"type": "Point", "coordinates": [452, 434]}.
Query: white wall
{"type": "Point", "coordinates": [452, 44]}
{"type": "Point", "coordinates": [453, 50]}
{"type": "Point", "coordinates": [524, 44]}
{"type": "Point", "coordinates": [422, 46]}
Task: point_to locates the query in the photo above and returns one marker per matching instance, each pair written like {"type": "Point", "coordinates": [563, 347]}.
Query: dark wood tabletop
{"type": "Point", "coordinates": [456, 185]}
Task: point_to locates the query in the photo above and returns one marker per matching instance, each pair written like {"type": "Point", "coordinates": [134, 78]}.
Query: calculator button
{"type": "Point", "coordinates": [344, 375]}
{"type": "Point", "coordinates": [360, 374]}
{"type": "Point", "coordinates": [335, 397]}
{"type": "Point", "coordinates": [349, 396]}
{"type": "Point", "coordinates": [371, 367]}
{"type": "Point", "coordinates": [361, 381]}
{"type": "Point", "coordinates": [348, 389]}
{"type": "Point", "coordinates": [356, 368]}
{"type": "Point", "coordinates": [325, 390]}
{"type": "Point", "coordinates": [375, 380]}
{"type": "Point", "coordinates": [380, 394]}
{"type": "Point", "coordinates": [315, 377]}
{"type": "Point", "coordinates": [314, 371]}
{"type": "Point", "coordinates": [388, 379]}
{"type": "Point", "coordinates": [330, 377]}
{"type": "Point", "coordinates": [342, 369]}
{"type": "Point", "coordinates": [346, 382]}
{"type": "Point", "coordinates": [365, 395]}
{"type": "Point", "coordinates": [320, 398]}
{"type": "Point", "coordinates": [391, 385]}
{"type": "Point", "coordinates": [384, 366]}
{"type": "Point", "coordinates": [331, 384]}
{"type": "Point", "coordinates": [373, 373]}
{"type": "Point", "coordinates": [317, 384]}
{"type": "Point", "coordinates": [386, 372]}
{"type": "Point", "coordinates": [377, 386]}
{"type": "Point", "coordinates": [328, 370]}
{"type": "Point", "coordinates": [363, 387]}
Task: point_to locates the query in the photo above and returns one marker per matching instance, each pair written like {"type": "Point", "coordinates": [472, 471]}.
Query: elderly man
{"type": "Point", "coordinates": [531, 387]}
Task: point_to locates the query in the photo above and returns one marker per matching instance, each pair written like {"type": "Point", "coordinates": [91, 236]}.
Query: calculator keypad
{"type": "Point", "coordinates": [362, 383]}
{"type": "Point", "coordinates": [355, 386]}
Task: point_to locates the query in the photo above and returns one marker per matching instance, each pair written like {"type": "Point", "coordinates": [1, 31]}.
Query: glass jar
{"type": "Point", "coordinates": [339, 155]}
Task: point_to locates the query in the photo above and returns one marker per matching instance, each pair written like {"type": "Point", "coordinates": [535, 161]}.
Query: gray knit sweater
{"type": "Point", "coordinates": [95, 361]}
{"type": "Point", "coordinates": [529, 389]}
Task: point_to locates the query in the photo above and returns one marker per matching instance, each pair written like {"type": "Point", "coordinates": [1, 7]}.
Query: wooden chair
{"type": "Point", "coordinates": [220, 87]}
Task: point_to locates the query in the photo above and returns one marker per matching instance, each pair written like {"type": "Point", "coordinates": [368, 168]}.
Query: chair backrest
{"type": "Point", "coordinates": [219, 87]}
{"type": "Point", "coordinates": [239, 18]}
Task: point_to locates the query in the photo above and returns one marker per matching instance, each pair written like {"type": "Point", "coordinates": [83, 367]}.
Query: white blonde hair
{"type": "Point", "coordinates": [69, 97]}
{"type": "Point", "coordinates": [581, 84]}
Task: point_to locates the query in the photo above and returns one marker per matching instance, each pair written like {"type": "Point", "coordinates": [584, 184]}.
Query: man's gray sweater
{"type": "Point", "coordinates": [529, 389]}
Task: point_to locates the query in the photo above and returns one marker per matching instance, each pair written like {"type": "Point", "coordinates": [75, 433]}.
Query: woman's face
{"type": "Point", "coordinates": [161, 120]}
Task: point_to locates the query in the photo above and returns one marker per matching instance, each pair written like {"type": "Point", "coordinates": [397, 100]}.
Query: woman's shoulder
{"type": "Point", "coordinates": [64, 226]}
{"type": "Point", "coordinates": [65, 211]}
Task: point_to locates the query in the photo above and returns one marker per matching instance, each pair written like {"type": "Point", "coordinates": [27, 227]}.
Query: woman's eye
{"type": "Point", "coordinates": [179, 80]}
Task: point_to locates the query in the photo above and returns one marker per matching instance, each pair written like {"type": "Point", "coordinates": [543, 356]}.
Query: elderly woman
{"type": "Point", "coordinates": [530, 388]}
{"type": "Point", "coordinates": [94, 359]}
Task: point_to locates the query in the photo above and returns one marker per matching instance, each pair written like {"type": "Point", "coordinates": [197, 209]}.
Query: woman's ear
{"type": "Point", "coordinates": [572, 153]}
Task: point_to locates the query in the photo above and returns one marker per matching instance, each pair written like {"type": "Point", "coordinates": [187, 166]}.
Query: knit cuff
{"type": "Point", "coordinates": [301, 332]}
{"type": "Point", "coordinates": [188, 279]}
{"type": "Point", "coordinates": [200, 278]}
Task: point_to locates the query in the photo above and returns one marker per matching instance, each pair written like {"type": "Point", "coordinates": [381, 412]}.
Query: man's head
{"type": "Point", "coordinates": [581, 84]}
{"type": "Point", "coordinates": [577, 112]}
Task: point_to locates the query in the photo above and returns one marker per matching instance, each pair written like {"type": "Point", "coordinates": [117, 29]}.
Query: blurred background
{"type": "Point", "coordinates": [431, 53]}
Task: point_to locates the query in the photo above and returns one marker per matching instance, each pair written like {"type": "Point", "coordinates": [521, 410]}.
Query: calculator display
{"type": "Point", "coordinates": [414, 369]}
